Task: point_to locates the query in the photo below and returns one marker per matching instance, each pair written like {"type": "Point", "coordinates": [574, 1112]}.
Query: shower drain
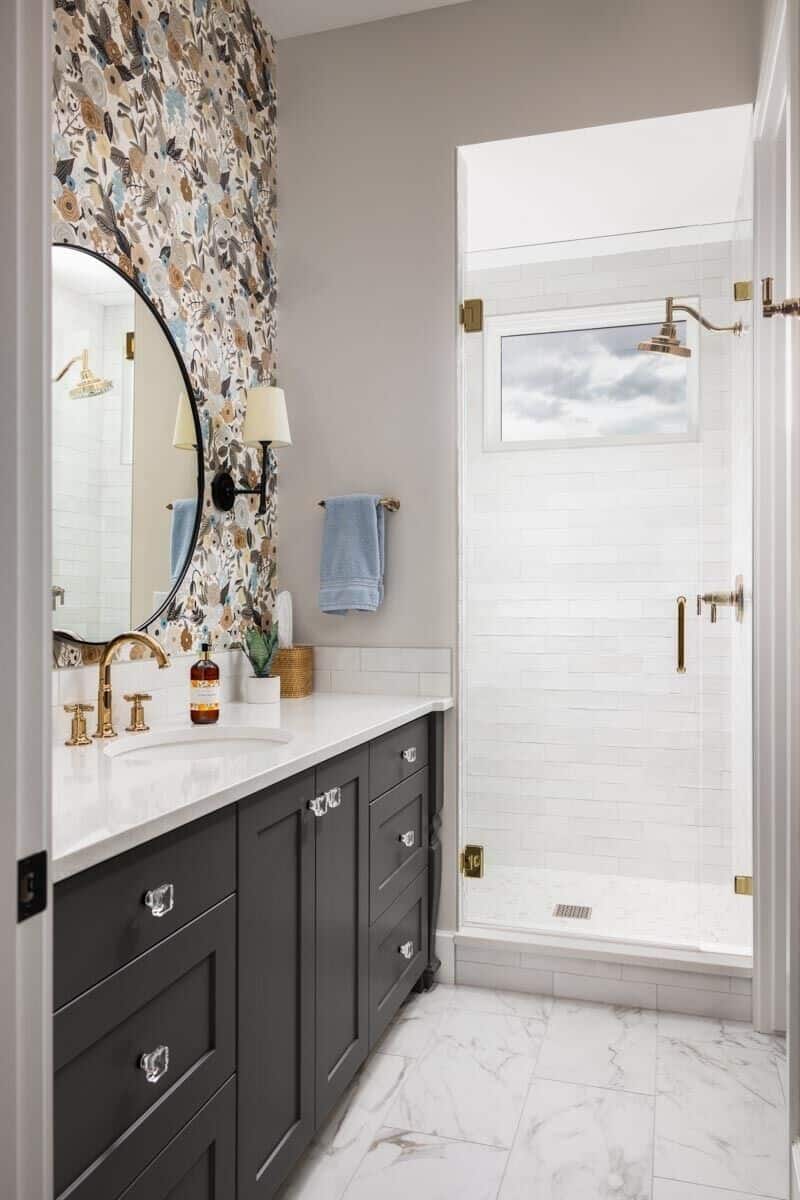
{"type": "Point", "coordinates": [577, 912]}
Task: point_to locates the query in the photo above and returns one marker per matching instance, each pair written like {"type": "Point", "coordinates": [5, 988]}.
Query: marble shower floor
{"type": "Point", "coordinates": [476, 1094]}
{"type": "Point", "coordinates": [654, 911]}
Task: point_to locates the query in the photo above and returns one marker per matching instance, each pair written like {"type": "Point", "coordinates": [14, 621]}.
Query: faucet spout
{"type": "Point", "coordinates": [105, 724]}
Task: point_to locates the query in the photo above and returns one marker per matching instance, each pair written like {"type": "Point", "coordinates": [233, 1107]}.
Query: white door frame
{"type": "Point", "coordinates": [25, 948]}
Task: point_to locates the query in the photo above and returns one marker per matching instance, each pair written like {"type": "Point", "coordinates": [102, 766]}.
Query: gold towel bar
{"type": "Point", "coordinates": [387, 502]}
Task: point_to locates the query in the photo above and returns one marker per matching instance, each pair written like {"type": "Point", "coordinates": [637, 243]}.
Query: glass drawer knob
{"type": "Point", "coordinates": [407, 949]}
{"type": "Point", "coordinates": [334, 797]}
{"type": "Point", "coordinates": [407, 838]}
{"type": "Point", "coordinates": [410, 755]}
{"type": "Point", "coordinates": [160, 900]}
{"type": "Point", "coordinates": [155, 1063]}
{"type": "Point", "coordinates": [319, 805]}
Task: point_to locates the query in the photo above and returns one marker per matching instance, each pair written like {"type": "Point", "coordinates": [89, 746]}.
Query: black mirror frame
{"type": "Point", "coordinates": [62, 636]}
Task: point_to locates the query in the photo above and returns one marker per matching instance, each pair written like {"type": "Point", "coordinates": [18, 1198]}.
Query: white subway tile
{"type": "Point", "coordinates": [605, 991]}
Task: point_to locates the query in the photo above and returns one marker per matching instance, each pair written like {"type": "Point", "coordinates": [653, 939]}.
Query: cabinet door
{"type": "Point", "coordinates": [342, 951]}
{"type": "Point", "coordinates": [276, 984]}
{"type": "Point", "coordinates": [200, 1163]}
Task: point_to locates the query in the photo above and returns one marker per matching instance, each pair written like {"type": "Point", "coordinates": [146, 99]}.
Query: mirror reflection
{"type": "Point", "coordinates": [125, 462]}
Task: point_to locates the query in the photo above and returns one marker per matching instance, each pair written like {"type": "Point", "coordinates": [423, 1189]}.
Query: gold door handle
{"type": "Point", "coordinates": [681, 635]}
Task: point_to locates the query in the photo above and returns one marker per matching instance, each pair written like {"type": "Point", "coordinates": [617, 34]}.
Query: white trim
{"type": "Point", "coordinates": [595, 316]}
{"type": "Point", "coordinates": [606, 950]}
{"type": "Point", "coordinates": [26, 949]}
{"type": "Point", "coordinates": [446, 953]}
{"type": "Point", "coordinates": [771, 629]}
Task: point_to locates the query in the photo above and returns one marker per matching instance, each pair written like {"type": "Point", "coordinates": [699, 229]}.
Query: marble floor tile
{"type": "Point", "coordinates": [400, 1165]}
{"type": "Point", "coordinates": [581, 1143]}
{"type": "Point", "coordinates": [669, 1189]}
{"type": "Point", "coordinates": [334, 1156]}
{"type": "Point", "coordinates": [720, 1111]}
{"type": "Point", "coordinates": [412, 1032]}
{"type": "Point", "coordinates": [599, 1045]}
{"type": "Point", "coordinates": [472, 1083]}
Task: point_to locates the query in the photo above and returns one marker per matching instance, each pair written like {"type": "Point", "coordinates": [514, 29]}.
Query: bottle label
{"type": "Point", "coordinates": [204, 695]}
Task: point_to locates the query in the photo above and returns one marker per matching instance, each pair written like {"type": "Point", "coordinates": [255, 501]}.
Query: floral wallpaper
{"type": "Point", "coordinates": [164, 163]}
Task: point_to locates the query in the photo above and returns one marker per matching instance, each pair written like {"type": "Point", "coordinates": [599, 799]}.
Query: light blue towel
{"type": "Point", "coordinates": [183, 515]}
{"type": "Point", "coordinates": [351, 570]}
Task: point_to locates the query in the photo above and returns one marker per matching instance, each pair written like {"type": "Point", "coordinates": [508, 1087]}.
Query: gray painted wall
{"type": "Point", "coordinates": [369, 121]}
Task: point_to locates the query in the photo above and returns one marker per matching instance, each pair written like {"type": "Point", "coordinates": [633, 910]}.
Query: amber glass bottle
{"type": "Point", "coordinates": [204, 687]}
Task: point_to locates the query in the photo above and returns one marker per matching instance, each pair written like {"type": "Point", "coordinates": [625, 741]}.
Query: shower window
{"type": "Point", "coordinates": [575, 377]}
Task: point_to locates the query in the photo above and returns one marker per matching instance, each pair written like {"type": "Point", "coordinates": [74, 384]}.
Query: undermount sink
{"type": "Point", "coordinates": [216, 738]}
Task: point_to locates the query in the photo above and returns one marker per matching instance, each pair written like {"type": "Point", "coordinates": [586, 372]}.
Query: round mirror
{"type": "Point", "coordinates": [127, 471]}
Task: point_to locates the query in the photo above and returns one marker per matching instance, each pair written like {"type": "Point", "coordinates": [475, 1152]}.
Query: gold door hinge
{"type": "Point", "coordinates": [743, 885]}
{"type": "Point", "coordinates": [472, 862]}
{"type": "Point", "coordinates": [743, 289]}
{"type": "Point", "coordinates": [470, 314]}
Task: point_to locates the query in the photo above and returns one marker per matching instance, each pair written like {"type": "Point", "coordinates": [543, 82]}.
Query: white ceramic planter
{"type": "Point", "coordinates": [262, 691]}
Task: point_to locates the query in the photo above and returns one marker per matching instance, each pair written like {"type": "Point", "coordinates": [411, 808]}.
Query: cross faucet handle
{"type": "Point", "coordinates": [137, 702]}
{"type": "Point", "coordinates": [78, 735]}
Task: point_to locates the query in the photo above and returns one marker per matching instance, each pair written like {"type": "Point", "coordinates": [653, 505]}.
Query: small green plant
{"type": "Point", "coordinates": [260, 646]}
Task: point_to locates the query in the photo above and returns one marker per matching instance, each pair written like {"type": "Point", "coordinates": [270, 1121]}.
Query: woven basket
{"type": "Point", "coordinates": [295, 669]}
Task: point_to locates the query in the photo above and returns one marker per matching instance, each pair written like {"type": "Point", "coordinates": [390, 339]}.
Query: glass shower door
{"type": "Point", "coordinates": [600, 484]}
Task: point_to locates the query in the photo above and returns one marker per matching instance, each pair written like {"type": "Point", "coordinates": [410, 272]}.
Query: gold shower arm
{"type": "Point", "coordinates": [672, 307]}
{"type": "Point", "coordinates": [84, 356]}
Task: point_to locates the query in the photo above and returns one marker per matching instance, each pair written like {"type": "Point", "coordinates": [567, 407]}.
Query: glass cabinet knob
{"type": "Point", "coordinates": [319, 805]}
{"type": "Point", "coordinates": [407, 949]}
{"type": "Point", "coordinates": [410, 754]}
{"type": "Point", "coordinates": [407, 838]}
{"type": "Point", "coordinates": [155, 1063]}
{"type": "Point", "coordinates": [160, 900]}
{"type": "Point", "coordinates": [334, 797]}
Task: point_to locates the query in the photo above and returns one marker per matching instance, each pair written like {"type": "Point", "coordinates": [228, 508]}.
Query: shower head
{"type": "Point", "coordinates": [668, 342]}
{"type": "Point", "coordinates": [88, 384]}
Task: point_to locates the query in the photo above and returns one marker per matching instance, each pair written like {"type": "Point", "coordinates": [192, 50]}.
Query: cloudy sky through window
{"type": "Point", "coordinates": [585, 383]}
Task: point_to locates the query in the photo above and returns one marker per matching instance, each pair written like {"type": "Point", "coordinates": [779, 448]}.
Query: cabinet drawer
{"type": "Point", "coordinates": [200, 1163]}
{"type": "Point", "coordinates": [396, 755]}
{"type": "Point", "coordinates": [398, 831]}
{"type": "Point", "coordinates": [101, 919]}
{"type": "Point", "coordinates": [110, 1119]}
{"type": "Point", "coordinates": [398, 954]}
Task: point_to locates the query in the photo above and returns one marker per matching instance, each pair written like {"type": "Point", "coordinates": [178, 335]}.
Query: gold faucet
{"type": "Point", "coordinates": [105, 724]}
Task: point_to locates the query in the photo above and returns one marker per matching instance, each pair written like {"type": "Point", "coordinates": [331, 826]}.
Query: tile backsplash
{"type": "Point", "coordinates": [372, 670]}
{"type": "Point", "coordinates": [383, 670]}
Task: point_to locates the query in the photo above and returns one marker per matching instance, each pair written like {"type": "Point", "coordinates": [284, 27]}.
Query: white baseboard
{"type": "Point", "coordinates": [446, 951]}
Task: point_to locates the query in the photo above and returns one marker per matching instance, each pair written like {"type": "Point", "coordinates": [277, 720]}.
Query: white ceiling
{"type": "Point", "coordinates": [658, 173]}
{"type": "Point", "coordinates": [291, 18]}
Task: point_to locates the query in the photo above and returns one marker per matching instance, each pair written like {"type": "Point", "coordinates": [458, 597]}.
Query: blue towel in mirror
{"type": "Point", "coordinates": [183, 515]}
{"type": "Point", "coordinates": [351, 570]}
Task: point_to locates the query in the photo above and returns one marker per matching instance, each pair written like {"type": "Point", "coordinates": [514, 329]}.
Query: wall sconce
{"type": "Point", "coordinates": [265, 424]}
{"type": "Point", "coordinates": [185, 436]}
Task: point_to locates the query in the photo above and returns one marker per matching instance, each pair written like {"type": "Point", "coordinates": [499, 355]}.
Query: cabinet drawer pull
{"type": "Point", "coordinates": [160, 900]}
{"type": "Point", "coordinates": [407, 838]}
{"type": "Point", "coordinates": [410, 754]}
{"type": "Point", "coordinates": [407, 949]}
{"type": "Point", "coordinates": [319, 805]}
{"type": "Point", "coordinates": [334, 797]}
{"type": "Point", "coordinates": [155, 1063]}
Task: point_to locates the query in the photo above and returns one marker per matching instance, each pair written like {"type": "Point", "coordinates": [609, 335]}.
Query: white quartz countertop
{"type": "Point", "coordinates": [105, 805]}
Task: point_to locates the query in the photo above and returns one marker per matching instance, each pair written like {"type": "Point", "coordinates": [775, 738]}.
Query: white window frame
{"type": "Point", "coordinates": [596, 316]}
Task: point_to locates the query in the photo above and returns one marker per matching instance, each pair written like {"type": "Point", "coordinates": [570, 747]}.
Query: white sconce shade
{"type": "Point", "coordinates": [266, 419]}
{"type": "Point", "coordinates": [185, 435]}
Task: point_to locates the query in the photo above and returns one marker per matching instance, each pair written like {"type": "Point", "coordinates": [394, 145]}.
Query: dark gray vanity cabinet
{"type": "Point", "coordinates": [342, 934]}
{"type": "Point", "coordinates": [218, 988]}
{"type": "Point", "coordinates": [276, 983]}
{"type": "Point", "coordinates": [303, 961]}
